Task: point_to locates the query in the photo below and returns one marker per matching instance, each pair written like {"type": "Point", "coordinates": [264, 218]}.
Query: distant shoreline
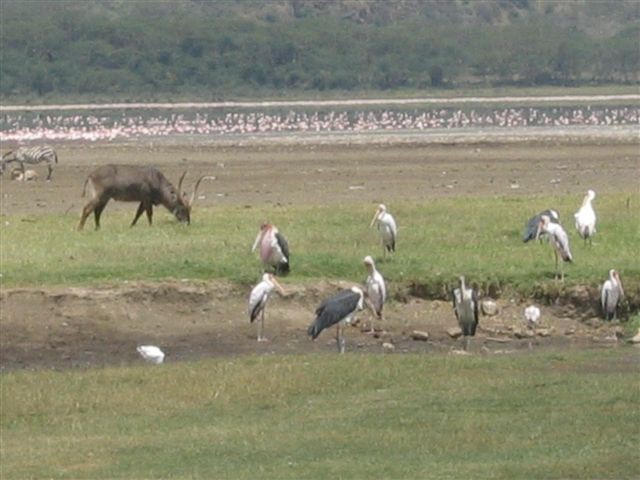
{"type": "Point", "coordinates": [324, 103]}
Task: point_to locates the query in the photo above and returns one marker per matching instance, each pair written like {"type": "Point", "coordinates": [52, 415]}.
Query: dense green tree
{"type": "Point", "coordinates": [189, 47]}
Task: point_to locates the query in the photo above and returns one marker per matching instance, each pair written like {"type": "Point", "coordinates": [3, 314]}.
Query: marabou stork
{"type": "Point", "coordinates": [258, 300]}
{"type": "Point", "coordinates": [387, 228]}
{"type": "Point", "coordinates": [151, 354]}
{"type": "Point", "coordinates": [339, 310]}
{"type": "Point", "coordinates": [586, 218]}
{"type": "Point", "coordinates": [559, 241]}
{"type": "Point", "coordinates": [531, 228]}
{"type": "Point", "coordinates": [611, 294]}
{"type": "Point", "coordinates": [376, 289]}
{"type": "Point", "coordinates": [274, 249]}
{"type": "Point", "coordinates": [465, 306]}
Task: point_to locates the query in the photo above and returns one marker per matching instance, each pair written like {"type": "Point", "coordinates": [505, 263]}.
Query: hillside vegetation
{"type": "Point", "coordinates": [119, 49]}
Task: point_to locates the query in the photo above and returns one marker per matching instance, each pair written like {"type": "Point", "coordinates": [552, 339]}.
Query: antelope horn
{"type": "Point", "coordinates": [195, 189]}
{"type": "Point", "coordinates": [180, 183]}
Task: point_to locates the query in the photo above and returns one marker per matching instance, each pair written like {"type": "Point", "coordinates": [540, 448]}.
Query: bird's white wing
{"type": "Point", "coordinates": [256, 295]}
{"type": "Point", "coordinates": [604, 293]}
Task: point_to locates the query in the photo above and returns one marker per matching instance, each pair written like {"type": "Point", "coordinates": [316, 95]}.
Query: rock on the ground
{"type": "Point", "coordinates": [388, 347]}
{"type": "Point", "coordinates": [636, 338]}
{"type": "Point", "coordinates": [544, 332]}
{"type": "Point", "coordinates": [489, 308]}
{"type": "Point", "coordinates": [523, 333]}
{"type": "Point", "coordinates": [420, 335]}
{"type": "Point", "coordinates": [454, 332]}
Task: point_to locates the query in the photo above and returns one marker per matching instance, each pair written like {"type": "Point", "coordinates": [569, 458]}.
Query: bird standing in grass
{"type": "Point", "coordinates": [586, 218]}
{"type": "Point", "coordinates": [337, 310]}
{"type": "Point", "coordinates": [465, 305]}
{"type": "Point", "coordinates": [376, 289]}
{"type": "Point", "coordinates": [274, 249]}
{"type": "Point", "coordinates": [559, 241]}
{"type": "Point", "coordinates": [611, 294]}
{"type": "Point", "coordinates": [258, 300]}
{"type": "Point", "coordinates": [387, 228]}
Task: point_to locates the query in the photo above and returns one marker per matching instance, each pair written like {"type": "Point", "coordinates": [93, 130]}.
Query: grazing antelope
{"type": "Point", "coordinates": [146, 185]}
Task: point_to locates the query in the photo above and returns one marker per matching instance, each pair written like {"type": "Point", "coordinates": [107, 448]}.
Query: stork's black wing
{"type": "Point", "coordinates": [476, 316]}
{"type": "Point", "coordinates": [531, 228]}
{"type": "Point", "coordinates": [283, 267]}
{"type": "Point", "coordinates": [333, 310]}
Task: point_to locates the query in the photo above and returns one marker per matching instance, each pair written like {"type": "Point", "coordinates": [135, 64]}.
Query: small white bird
{"type": "Point", "coordinates": [151, 354]}
{"type": "Point", "coordinates": [586, 218]}
{"type": "Point", "coordinates": [258, 300]}
{"type": "Point", "coordinates": [559, 241]}
{"type": "Point", "coordinates": [387, 228]}
{"type": "Point", "coordinates": [611, 294]}
{"type": "Point", "coordinates": [532, 316]}
{"type": "Point", "coordinates": [376, 289]}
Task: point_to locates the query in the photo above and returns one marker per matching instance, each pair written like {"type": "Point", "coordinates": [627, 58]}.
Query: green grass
{"type": "Point", "coordinates": [438, 240]}
{"type": "Point", "coordinates": [548, 415]}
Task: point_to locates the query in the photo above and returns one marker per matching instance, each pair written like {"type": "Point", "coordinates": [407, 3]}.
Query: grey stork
{"type": "Point", "coordinates": [274, 249]}
{"type": "Point", "coordinates": [531, 228]}
{"type": "Point", "coordinates": [586, 218]}
{"type": "Point", "coordinates": [258, 300]}
{"type": "Point", "coordinates": [339, 310]}
{"type": "Point", "coordinates": [387, 228]}
{"type": "Point", "coordinates": [559, 241]}
{"type": "Point", "coordinates": [465, 306]}
{"type": "Point", "coordinates": [611, 294]}
{"type": "Point", "coordinates": [376, 289]}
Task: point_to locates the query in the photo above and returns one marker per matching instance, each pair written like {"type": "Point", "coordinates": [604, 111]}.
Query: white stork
{"type": "Point", "coordinates": [465, 306]}
{"type": "Point", "coordinates": [258, 300]}
{"type": "Point", "coordinates": [531, 228]}
{"type": "Point", "coordinates": [151, 354]}
{"type": "Point", "coordinates": [586, 218]}
{"type": "Point", "coordinates": [274, 249]}
{"type": "Point", "coordinates": [559, 241]}
{"type": "Point", "coordinates": [611, 294]}
{"type": "Point", "coordinates": [387, 228]}
{"type": "Point", "coordinates": [339, 310]}
{"type": "Point", "coordinates": [376, 289]}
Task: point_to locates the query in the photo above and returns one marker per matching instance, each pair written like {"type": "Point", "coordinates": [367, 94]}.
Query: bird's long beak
{"type": "Point", "coordinates": [375, 216]}
{"type": "Point", "coordinates": [255, 244]}
{"type": "Point", "coordinates": [278, 286]}
{"type": "Point", "coordinates": [620, 283]}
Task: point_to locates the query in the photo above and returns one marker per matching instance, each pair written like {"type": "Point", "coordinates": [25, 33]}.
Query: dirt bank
{"type": "Point", "coordinates": [64, 328]}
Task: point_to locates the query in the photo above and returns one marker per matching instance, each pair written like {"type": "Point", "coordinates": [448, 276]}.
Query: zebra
{"type": "Point", "coordinates": [30, 155]}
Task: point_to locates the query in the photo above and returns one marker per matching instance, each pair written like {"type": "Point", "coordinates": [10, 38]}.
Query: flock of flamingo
{"type": "Point", "coordinates": [21, 128]}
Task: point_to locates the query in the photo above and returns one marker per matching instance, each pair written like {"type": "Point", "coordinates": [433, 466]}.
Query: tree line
{"type": "Point", "coordinates": [153, 49]}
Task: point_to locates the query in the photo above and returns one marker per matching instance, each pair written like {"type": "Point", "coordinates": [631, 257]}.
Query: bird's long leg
{"type": "Point", "coordinates": [261, 331]}
{"type": "Point", "coordinates": [340, 338]}
{"type": "Point", "coordinates": [555, 254]}
{"type": "Point", "coordinates": [467, 342]}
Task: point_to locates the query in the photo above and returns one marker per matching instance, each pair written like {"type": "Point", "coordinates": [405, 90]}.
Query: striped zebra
{"type": "Point", "coordinates": [31, 156]}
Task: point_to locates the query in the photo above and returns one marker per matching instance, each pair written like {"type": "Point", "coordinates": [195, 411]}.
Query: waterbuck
{"type": "Point", "coordinates": [128, 183]}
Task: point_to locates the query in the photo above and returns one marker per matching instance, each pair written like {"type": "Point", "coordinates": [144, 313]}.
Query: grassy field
{"type": "Point", "coordinates": [573, 414]}
{"type": "Point", "coordinates": [438, 240]}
